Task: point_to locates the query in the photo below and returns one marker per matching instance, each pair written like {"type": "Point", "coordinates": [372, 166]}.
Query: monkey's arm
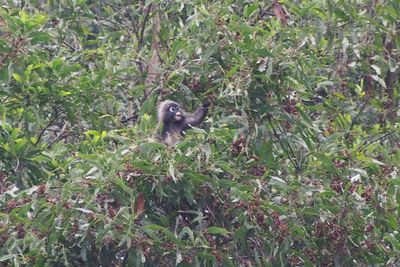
{"type": "Point", "coordinates": [196, 117]}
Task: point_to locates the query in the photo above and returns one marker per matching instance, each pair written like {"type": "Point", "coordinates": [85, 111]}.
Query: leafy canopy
{"type": "Point", "coordinates": [297, 163]}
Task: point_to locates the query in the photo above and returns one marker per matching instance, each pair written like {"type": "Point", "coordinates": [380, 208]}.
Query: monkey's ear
{"type": "Point", "coordinates": [206, 103]}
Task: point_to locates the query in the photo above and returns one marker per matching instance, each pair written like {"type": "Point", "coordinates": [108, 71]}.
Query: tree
{"type": "Point", "coordinates": [296, 165]}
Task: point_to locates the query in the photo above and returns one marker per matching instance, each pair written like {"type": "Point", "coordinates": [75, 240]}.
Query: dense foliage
{"type": "Point", "coordinates": [297, 163]}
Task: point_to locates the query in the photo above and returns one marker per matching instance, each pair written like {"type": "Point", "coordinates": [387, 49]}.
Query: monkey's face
{"type": "Point", "coordinates": [175, 113]}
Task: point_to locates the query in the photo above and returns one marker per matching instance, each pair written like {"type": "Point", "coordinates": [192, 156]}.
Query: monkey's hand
{"type": "Point", "coordinates": [206, 104]}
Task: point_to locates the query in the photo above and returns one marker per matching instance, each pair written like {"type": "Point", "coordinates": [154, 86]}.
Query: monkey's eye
{"type": "Point", "coordinates": [173, 109]}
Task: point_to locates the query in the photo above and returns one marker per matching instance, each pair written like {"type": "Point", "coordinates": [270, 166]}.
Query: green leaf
{"type": "Point", "coordinates": [66, 70]}
{"type": "Point", "coordinates": [92, 132]}
{"type": "Point", "coordinates": [154, 227]}
{"type": "Point", "coordinates": [4, 46]}
{"type": "Point", "coordinates": [226, 260]}
{"type": "Point", "coordinates": [392, 221]}
{"type": "Point", "coordinates": [177, 46]}
{"type": "Point", "coordinates": [188, 231]}
{"type": "Point", "coordinates": [217, 230]}
{"type": "Point", "coordinates": [188, 191]}
{"type": "Point", "coordinates": [340, 14]}
{"type": "Point", "coordinates": [17, 77]}
{"type": "Point", "coordinates": [5, 73]}
{"type": "Point", "coordinates": [249, 9]}
{"type": "Point", "coordinates": [395, 181]}
{"type": "Point", "coordinates": [339, 95]}
{"type": "Point", "coordinates": [57, 63]}
{"type": "Point", "coordinates": [171, 236]}
{"type": "Point", "coordinates": [232, 71]}
{"type": "Point", "coordinates": [393, 241]}
{"type": "Point", "coordinates": [38, 37]}
{"type": "Point", "coordinates": [148, 106]}
{"type": "Point", "coordinates": [151, 146]}
{"type": "Point", "coordinates": [40, 19]}
{"type": "Point", "coordinates": [64, 93]}
{"type": "Point", "coordinates": [27, 72]}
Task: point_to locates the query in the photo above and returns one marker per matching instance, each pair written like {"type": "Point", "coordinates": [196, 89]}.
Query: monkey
{"type": "Point", "coordinates": [175, 120]}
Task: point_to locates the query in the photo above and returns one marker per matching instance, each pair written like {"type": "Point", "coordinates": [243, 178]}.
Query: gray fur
{"type": "Point", "coordinates": [173, 126]}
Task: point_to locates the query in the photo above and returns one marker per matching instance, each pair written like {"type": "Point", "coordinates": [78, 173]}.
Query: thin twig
{"type": "Point", "coordinates": [5, 99]}
{"type": "Point", "coordinates": [16, 167]}
{"type": "Point", "coordinates": [131, 118]}
{"type": "Point", "coordinates": [119, 25]}
{"type": "Point", "coordinates": [290, 148]}
{"type": "Point", "coordinates": [59, 135]}
{"type": "Point", "coordinates": [146, 18]}
{"type": "Point", "coordinates": [354, 120]}
{"type": "Point", "coordinates": [292, 160]}
{"type": "Point", "coordinates": [45, 128]}
{"type": "Point", "coordinates": [376, 140]}
{"type": "Point", "coordinates": [73, 49]}
{"type": "Point", "coordinates": [131, 19]}
{"type": "Point", "coordinates": [117, 9]}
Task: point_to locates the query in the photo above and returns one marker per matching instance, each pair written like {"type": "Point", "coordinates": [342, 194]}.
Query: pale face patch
{"type": "Point", "coordinates": [178, 116]}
